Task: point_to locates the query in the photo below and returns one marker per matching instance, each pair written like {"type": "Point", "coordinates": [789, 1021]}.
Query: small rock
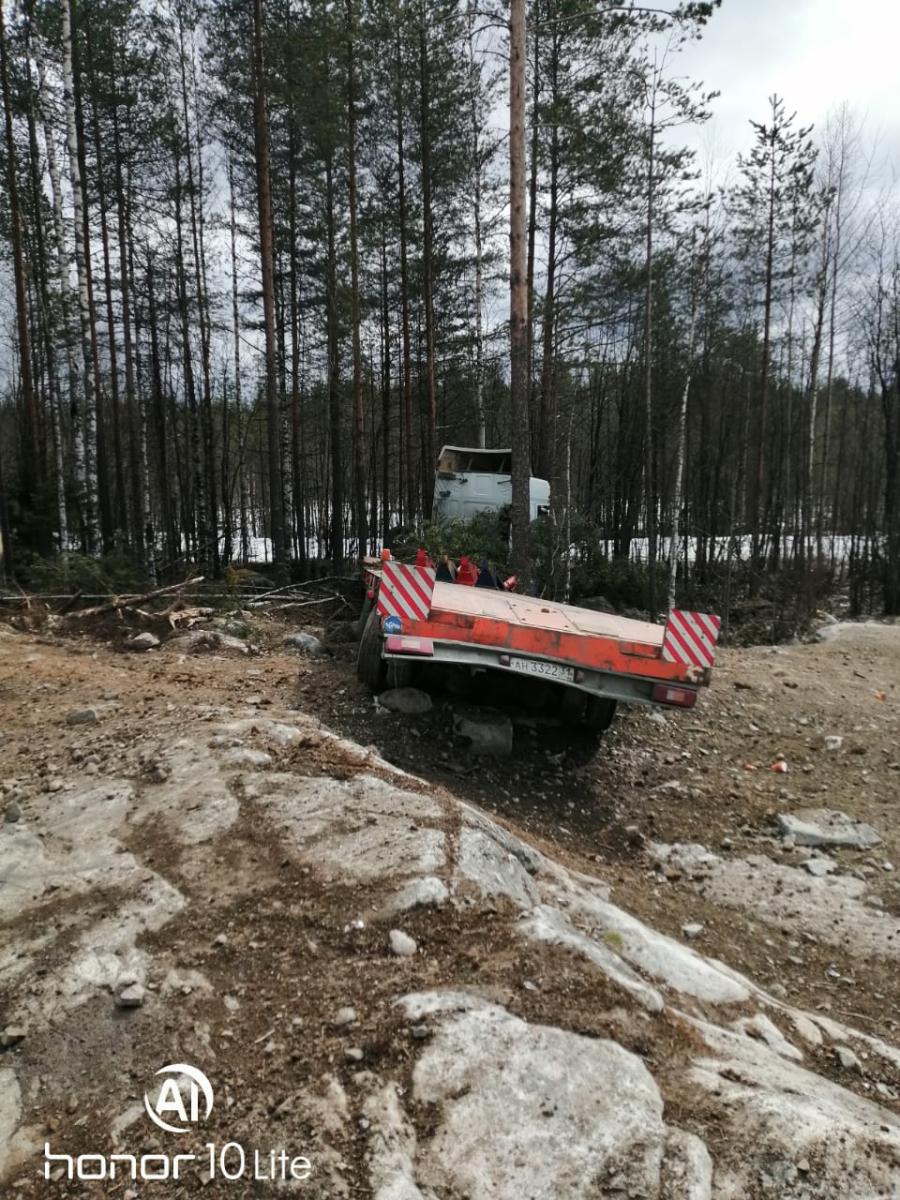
{"type": "Point", "coordinates": [833, 742]}
{"type": "Point", "coordinates": [402, 944]}
{"type": "Point", "coordinates": [847, 1059]}
{"type": "Point", "coordinates": [411, 702]}
{"type": "Point", "coordinates": [13, 813]}
{"type": "Point", "coordinates": [144, 641]}
{"type": "Point", "coordinates": [693, 929]}
{"type": "Point", "coordinates": [12, 1035]}
{"type": "Point", "coordinates": [633, 835]}
{"type": "Point", "coordinates": [131, 996]}
{"type": "Point", "coordinates": [82, 716]}
{"type": "Point", "coordinates": [425, 892]}
{"type": "Point", "coordinates": [343, 1017]}
{"type": "Point", "coordinates": [156, 771]}
{"type": "Point", "coordinates": [487, 732]}
{"type": "Point", "coordinates": [306, 643]}
{"type": "Point", "coordinates": [353, 1054]}
{"type": "Point", "coordinates": [887, 866]}
{"type": "Point", "coordinates": [726, 844]}
{"type": "Point", "coordinates": [820, 866]}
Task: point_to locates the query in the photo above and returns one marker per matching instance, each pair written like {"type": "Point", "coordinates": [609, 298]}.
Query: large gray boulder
{"type": "Point", "coordinates": [533, 1110]}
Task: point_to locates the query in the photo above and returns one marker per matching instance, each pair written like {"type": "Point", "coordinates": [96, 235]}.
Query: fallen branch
{"type": "Point", "coordinates": [307, 603]}
{"type": "Point", "coordinates": [70, 603]}
{"type": "Point", "coordinates": [120, 602]}
{"type": "Point", "coordinates": [179, 615]}
{"type": "Point", "coordinates": [299, 588]}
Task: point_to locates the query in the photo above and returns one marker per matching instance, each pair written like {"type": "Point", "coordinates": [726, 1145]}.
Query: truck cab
{"type": "Point", "coordinates": [470, 480]}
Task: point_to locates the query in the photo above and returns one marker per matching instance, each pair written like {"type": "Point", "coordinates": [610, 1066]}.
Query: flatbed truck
{"type": "Point", "coordinates": [594, 659]}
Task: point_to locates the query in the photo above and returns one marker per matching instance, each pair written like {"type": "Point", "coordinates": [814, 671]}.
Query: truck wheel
{"type": "Point", "coordinates": [599, 714]}
{"type": "Point", "coordinates": [360, 623]}
{"type": "Point", "coordinates": [370, 666]}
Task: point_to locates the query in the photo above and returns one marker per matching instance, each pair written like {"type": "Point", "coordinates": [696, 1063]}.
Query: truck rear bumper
{"type": "Point", "coordinates": [627, 688]}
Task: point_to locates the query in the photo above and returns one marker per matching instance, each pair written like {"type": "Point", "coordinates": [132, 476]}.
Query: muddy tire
{"type": "Point", "coordinates": [599, 714]}
{"type": "Point", "coordinates": [370, 666]}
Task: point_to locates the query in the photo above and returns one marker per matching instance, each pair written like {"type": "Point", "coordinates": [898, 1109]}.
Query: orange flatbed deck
{"type": "Point", "coordinates": [530, 613]}
{"type": "Point", "coordinates": [561, 633]}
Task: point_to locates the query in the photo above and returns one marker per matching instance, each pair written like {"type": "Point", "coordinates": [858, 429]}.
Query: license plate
{"type": "Point", "coordinates": [546, 670]}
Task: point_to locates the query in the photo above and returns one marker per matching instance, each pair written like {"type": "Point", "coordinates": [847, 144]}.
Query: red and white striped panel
{"type": "Point", "coordinates": [691, 637]}
{"type": "Point", "coordinates": [405, 591]}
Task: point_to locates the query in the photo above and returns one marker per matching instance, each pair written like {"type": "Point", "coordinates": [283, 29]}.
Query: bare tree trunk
{"type": "Point", "coordinates": [832, 326]}
{"type": "Point", "coordinates": [297, 483]}
{"type": "Point", "coordinates": [22, 328]}
{"type": "Point", "coordinates": [532, 197]}
{"type": "Point", "coordinates": [334, 399]}
{"type": "Point", "coordinates": [765, 374]}
{"type": "Point", "coordinates": [385, 392]}
{"type": "Point", "coordinates": [822, 286]}
{"type": "Point", "coordinates": [30, 475]}
{"type": "Point", "coordinates": [476, 218]}
{"type": "Point", "coordinates": [428, 266]}
{"type": "Point", "coordinates": [264, 199]}
{"type": "Point", "coordinates": [83, 405]}
{"type": "Point", "coordinates": [547, 432]}
{"type": "Point", "coordinates": [359, 479]}
{"type": "Point", "coordinates": [411, 505]}
{"type": "Point", "coordinates": [678, 518]}
{"type": "Point", "coordinates": [61, 261]}
{"type": "Point", "coordinates": [518, 297]}
{"type": "Point", "coordinates": [649, 445]}
{"type": "Point", "coordinates": [238, 402]}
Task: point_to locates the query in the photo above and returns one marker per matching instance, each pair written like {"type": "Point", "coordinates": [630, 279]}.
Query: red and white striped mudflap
{"type": "Point", "coordinates": [690, 638]}
{"type": "Point", "coordinates": [405, 591]}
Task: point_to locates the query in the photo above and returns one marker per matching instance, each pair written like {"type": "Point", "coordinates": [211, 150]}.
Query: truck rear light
{"type": "Point", "coordinates": [396, 643]}
{"type": "Point", "coordinates": [681, 697]}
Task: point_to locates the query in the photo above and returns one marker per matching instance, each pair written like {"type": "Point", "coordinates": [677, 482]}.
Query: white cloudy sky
{"type": "Point", "coordinates": [815, 53]}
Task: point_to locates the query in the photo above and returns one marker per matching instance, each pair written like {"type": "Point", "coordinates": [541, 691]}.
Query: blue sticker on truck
{"type": "Point", "coordinates": [392, 624]}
